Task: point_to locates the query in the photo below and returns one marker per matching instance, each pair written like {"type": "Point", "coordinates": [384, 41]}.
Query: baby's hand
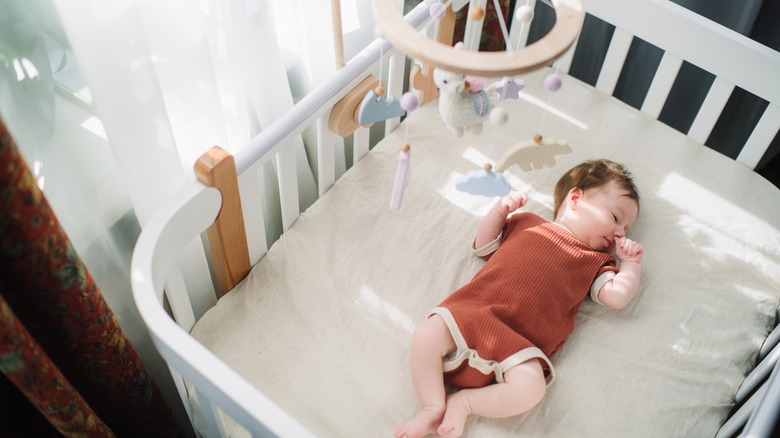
{"type": "Point", "coordinates": [512, 202]}
{"type": "Point", "coordinates": [628, 251]}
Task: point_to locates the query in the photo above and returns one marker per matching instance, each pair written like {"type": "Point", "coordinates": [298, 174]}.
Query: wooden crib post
{"type": "Point", "coordinates": [227, 236]}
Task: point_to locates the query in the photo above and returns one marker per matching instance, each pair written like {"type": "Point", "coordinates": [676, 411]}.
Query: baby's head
{"type": "Point", "coordinates": [591, 174]}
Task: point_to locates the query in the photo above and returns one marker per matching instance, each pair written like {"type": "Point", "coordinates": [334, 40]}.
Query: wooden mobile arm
{"type": "Point", "coordinates": [569, 16]}
{"type": "Point", "coordinates": [227, 236]}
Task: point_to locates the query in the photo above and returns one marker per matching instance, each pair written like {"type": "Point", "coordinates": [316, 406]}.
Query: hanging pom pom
{"type": "Point", "coordinates": [553, 82]}
{"type": "Point", "coordinates": [401, 178]}
{"type": "Point", "coordinates": [498, 116]}
{"type": "Point", "coordinates": [475, 83]}
{"type": "Point", "coordinates": [437, 11]}
{"type": "Point", "coordinates": [524, 14]}
{"type": "Point", "coordinates": [409, 102]}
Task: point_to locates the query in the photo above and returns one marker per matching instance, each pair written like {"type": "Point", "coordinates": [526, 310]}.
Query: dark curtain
{"type": "Point", "coordinates": [60, 343]}
{"type": "Point", "coordinates": [492, 39]}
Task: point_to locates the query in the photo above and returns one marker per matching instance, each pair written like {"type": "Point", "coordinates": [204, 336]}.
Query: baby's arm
{"type": "Point", "coordinates": [494, 221]}
{"type": "Point", "coordinates": [622, 289]}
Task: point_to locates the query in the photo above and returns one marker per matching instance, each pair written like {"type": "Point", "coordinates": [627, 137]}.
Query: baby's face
{"type": "Point", "coordinates": [603, 214]}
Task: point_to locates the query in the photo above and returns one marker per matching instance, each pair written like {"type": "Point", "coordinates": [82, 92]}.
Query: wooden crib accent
{"type": "Point", "coordinates": [569, 17]}
{"type": "Point", "coordinates": [227, 239]}
{"type": "Point", "coordinates": [344, 116]}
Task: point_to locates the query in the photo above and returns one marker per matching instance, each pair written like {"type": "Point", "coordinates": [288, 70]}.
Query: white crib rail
{"type": "Point", "coordinates": [734, 59]}
{"type": "Point", "coordinates": [155, 267]}
{"type": "Point", "coordinates": [191, 211]}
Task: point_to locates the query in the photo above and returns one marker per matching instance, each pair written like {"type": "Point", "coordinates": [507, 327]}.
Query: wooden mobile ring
{"type": "Point", "coordinates": [569, 16]}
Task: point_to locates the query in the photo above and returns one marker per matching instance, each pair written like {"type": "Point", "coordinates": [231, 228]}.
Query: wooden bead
{"type": "Point", "coordinates": [477, 13]}
{"type": "Point", "coordinates": [405, 148]}
{"type": "Point", "coordinates": [537, 138]}
{"type": "Point", "coordinates": [380, 90]}
{"type": "Point", "coordinates": [488, 167]}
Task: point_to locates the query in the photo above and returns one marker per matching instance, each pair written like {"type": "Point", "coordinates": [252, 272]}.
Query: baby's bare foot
{"type": "Point", "coordinates": [458, 411]}
{"type": "Point", "coordinates": [424, 423]}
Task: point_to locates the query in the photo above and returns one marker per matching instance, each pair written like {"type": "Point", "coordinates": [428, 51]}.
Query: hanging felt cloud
{"type": "Point", "coordinates": [375, 108]}
{"type": "Point", "coordinates": [483, 182]}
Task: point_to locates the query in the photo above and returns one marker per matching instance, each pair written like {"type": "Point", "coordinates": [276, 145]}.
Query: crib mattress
{"type": "Point", "coordinates": [323, 322]}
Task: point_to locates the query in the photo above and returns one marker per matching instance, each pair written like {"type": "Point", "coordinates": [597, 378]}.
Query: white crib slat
{"type": "Point", "coordinates": [250, 189]}
{"type": "Point", "coordinates": [194, 268]}
{"type": "Point", "coordinates": [395, 85]}
{"type": "Point", "coordinates": [762, 136]}
{"type": "Point", "coordinates": [613, 62]}
{"type": "Point", "coordinates": [563, 64]}
{"type": "Point", "coordinates": [710, 110]}
{"type": "Point", "coordinates": [661, 85]}
{"type": "Point", "coordinates": [518, 32]}
{"type": "Point", "coordinates": [360, 143]}
{"type": "Point", "coordinates": [288, 184]}
{"type": "Point", "coordinates": [179, 300]}
{"type": "Point", "coordinates": [759, 374]}
{"type": "Point", "coordinates": [178, 382]}
{"type": "Point", "coordinates": [763, 420]}
{"type": "Point", "coordinates": [748, 64]}
{"type": "Point", "coordinates": [211, 414]}
{"type": "Point", "coordinates": [473, 29]}
{"type": "Point", "coordinates": [771, 342]}
{"type": "Point", "coordinates": [738, 419]}
{"type": "Point", "coordinates": [326, 156]}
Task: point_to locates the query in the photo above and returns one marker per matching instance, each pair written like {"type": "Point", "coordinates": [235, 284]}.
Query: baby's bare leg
{"type": "Point", "coordinates": [431, 341]}
{"type": "Point", "coordinates": [523, 387]}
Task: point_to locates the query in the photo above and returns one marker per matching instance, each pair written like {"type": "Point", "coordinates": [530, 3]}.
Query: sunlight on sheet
{"type": "Point", "coordinates": [722, 228]}
{"type": "Point", "coordinates": [480, 205]}
{"type": "Point", "coordinates": [684, 343]}
{"type": "Point", "coordinates": [675, 183]}
{"type": "Point", "coordinates": [383, 313]}
{"type": "Point", "coordinates": [544, 105]}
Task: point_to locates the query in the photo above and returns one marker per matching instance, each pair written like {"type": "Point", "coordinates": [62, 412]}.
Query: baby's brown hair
{"type": "Point", "coordinates": [594, 173]}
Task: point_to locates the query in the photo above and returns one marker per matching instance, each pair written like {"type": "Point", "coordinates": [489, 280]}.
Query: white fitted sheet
{"type": "Point", "coordinates": [323, 322]}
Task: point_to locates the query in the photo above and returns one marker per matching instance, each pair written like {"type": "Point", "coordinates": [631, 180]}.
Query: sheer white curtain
{"type": "Point", "coordinates": [112, 103]}
{"type": "Point", "coordinates": [171, 79]}
{"type": "Point", "coordinates": [304, 28]}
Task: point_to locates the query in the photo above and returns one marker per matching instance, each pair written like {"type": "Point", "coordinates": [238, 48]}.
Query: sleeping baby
{"type": "Point", "coordinates": [493, 337]}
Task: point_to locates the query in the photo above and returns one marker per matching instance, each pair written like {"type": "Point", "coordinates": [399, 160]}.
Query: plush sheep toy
{"type": "Point", "coordinates": [463, 104]}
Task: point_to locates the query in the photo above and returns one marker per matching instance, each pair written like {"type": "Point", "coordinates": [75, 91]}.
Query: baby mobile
{"type": "Point", "coordinates": [464, 102]}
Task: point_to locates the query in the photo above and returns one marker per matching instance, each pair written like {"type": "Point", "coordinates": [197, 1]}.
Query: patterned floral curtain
{"type": "Point", "coordinates": [492, 39]}
{"type": "Point", "coordinates": [60, 343]}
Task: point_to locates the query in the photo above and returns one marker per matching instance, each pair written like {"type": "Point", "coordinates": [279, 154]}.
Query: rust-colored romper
{"type": "Point", "coordinates": [522, 302]}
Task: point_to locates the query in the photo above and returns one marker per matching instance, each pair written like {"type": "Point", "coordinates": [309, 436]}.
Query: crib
{"type": "Point", "coordinates": [310, 334]}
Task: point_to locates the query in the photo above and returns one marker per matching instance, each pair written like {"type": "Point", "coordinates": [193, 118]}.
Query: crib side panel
{"type": "Point", "coordinates": [274, 146]}
{"type": "Point", "coordinates": [757, 403]}
{"type": "Point", "coordinates": [732, 59]}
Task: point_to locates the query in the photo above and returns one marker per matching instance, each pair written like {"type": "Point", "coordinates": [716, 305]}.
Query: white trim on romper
{"type": "Point", "coordinates": [484, 366]}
